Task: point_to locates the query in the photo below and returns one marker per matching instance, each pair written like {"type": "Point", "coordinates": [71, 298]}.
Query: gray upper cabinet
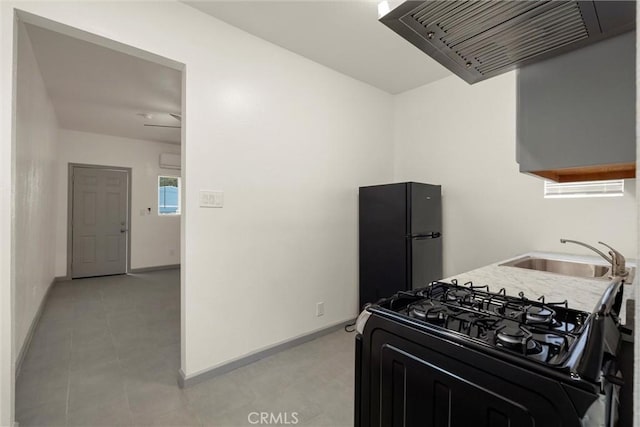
{"type": "Point", "coordinates": [576, 113]}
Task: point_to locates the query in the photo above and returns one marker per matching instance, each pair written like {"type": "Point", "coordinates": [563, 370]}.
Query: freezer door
{"type": "Point", "coordinates": [426, 208]}
{"type": "Point", "coordinates": [426, 259]}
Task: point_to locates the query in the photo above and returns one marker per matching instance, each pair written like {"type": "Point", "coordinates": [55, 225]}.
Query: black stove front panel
{"type": "Point", "coordinates": [409, 377]}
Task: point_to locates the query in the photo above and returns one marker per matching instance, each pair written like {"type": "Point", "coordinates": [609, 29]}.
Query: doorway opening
{"type": "Point", "coordinates": [97, 124]}
{"type": "Point", "coordinates": [99, 216]}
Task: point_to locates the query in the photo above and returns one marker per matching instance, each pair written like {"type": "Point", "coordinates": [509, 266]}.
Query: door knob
{"type": "Point", "coordinates": [123, 230]}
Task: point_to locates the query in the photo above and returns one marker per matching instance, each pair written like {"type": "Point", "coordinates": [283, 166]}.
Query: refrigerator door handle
{"type": "Point", "coordinates": [432, 235]}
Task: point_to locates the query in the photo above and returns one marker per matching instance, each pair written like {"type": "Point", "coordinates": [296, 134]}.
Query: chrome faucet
{"type": "Point", "coordinates": [615, 258]}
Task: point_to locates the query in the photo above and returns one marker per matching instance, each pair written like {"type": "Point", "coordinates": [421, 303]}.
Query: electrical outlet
{"type": "Point", "coordinates": [320, 309]}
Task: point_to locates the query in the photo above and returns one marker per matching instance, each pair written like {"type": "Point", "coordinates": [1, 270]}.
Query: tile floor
{"type": "Point", "coordinates": [107, 351]}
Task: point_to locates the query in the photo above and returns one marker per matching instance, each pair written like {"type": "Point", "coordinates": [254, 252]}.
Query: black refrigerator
{"type": "Point", "coordinates": [400, 238]}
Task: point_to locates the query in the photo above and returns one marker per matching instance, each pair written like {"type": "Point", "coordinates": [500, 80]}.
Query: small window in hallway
{"type": "Point", "coordinates": [168, 195]}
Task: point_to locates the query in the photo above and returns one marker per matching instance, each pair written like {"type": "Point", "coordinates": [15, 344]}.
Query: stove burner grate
{"type": "Point", "coordinates": [542, 331]}
{"type": "Point", "coordinates": [428, 311]}
{"type": "Point", "coordinates": [458, 295]}
{"type": "Point", "coordinates": [518, 339]}
{"type": "Point", "coordinates": [535, 314]}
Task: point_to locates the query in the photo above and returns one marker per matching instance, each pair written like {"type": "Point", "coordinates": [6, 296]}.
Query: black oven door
{"type": "Point", "coordinates": [408, 377]}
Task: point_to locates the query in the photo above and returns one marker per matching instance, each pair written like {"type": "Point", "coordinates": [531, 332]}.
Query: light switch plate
{"type": "Point", "coordinates": [211, 199]}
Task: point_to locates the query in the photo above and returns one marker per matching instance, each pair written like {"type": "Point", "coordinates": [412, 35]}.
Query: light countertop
{"type": "Point", "coordinates": [582, 293]}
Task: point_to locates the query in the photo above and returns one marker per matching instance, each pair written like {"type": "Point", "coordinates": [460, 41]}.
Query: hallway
{"type": "Point", "coordinates": [107, 352]}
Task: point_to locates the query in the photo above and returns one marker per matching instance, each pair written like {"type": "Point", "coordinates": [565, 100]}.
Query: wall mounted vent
{"type": "Point", "coordinates": [479, 39]}
{"type": "Point", "coordinates": [170, 161]}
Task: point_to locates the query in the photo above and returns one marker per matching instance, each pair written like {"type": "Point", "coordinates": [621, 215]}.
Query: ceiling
{"type": "Point", "coordinates": [96, 89]}
{"type": "Point", "coordinates": [343, 35]}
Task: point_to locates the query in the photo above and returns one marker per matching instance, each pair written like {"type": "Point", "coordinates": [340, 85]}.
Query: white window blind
{"type": "Point", "coordinates": [611, 188]}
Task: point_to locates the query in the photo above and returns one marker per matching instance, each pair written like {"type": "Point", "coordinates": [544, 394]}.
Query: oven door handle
{"type": "Point", "coordinates": [590, 363]}
{"type": "Point", "coordinates": [614, 379]}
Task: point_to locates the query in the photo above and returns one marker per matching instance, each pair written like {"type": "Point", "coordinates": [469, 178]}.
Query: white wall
{"type": "Point", "coordinates": [8, 32]}
{"type": "Point", "coordinates": [155, 239]}
{"type": "Point", "coordinates": [636, 379]}
{"type": "Point", "coordinates": [463, 137]}
{"type": "Point", "coordinates": [287, 140]}
{"type": "Point", "coordinates": [35, 192]}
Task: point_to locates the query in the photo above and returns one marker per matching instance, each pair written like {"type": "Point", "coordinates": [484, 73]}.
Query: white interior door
{"type": "Point", "coordinates": [99, 222]}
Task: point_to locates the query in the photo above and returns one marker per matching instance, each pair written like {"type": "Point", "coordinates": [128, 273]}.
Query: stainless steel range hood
{"type": "Point", "coordinates": [479, 39]}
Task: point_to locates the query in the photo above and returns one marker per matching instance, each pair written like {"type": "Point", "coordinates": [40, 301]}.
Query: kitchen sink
{"type": "Point", "coordinates": [567, 268]}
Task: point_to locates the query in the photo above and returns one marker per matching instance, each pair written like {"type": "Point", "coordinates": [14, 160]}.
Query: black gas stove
{"type": "Point", "coordinates": [542, 331]}
{"type": "Point", "coordinates": [461, 355]}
